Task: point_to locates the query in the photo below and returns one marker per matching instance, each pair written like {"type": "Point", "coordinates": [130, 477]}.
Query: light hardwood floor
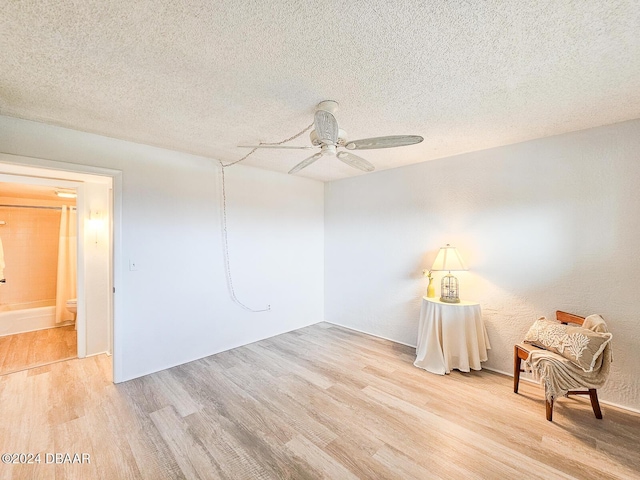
{"type": "Point", "coordinates": [27, 350]}
{"type": "Point", "coordinates": [320, 402]}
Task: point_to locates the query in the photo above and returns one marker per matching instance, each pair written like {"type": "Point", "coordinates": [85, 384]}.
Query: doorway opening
{"type": "Point", "coordinates": [58, 251]}
{"type": "Point", "coordinates": [38, 275]}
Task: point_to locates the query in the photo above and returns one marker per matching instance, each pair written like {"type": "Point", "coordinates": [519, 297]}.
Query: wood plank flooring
{"type": "Point", "coordinates": [30, 349]}
{"type": "Point", "coordinates": [320, 402]}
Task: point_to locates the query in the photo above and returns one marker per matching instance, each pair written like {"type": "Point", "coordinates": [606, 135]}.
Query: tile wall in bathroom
{"type": "Point", "coordinates": [30, 241]}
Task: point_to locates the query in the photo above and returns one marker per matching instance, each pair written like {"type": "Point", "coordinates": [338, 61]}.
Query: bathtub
{"type": "Point", "coordinates": [26, 317]}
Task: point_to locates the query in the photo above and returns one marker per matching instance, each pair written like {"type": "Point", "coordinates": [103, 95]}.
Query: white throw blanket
{"type": "Point", "coordinates": [560, 375]}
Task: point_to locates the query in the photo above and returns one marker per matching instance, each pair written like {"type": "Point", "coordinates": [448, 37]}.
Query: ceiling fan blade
{"type": "Point", "coordinates": [276, 146]}
{"type": "Point", "coordinates": [326, 127]}
{"type": "Point", "coordinates": [355, 161]}
{"type": "Point", "coordinates": [305, 163]}
{"type": "Point", "coordinates": [384, 142]}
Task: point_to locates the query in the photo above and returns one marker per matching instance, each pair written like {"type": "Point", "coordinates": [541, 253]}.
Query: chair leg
{"type": "Point", "coordinates": [549, 405]}
{"type": "Point", "coordinates": [593, 395]}
{"type": "Point", "coordinates": [516, 369]}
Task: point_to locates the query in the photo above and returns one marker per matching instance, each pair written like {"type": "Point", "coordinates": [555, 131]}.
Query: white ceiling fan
{"type": "Point", "coordinates": [328, 137]}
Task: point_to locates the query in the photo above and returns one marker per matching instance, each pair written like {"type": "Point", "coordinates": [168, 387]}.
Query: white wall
{"type": "Point", "coordinates": [176, 306]}
{"type": "Point", "coordinates": [543, 225]}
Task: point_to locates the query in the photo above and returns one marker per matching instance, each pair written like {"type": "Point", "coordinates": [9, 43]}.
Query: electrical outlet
{"type": "Point", "coordinates": [133, 265]}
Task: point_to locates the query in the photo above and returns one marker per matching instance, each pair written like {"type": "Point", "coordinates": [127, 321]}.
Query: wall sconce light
{"type": "Point", "coordinates": [96, 222]}
{"type": "Point", "coordinates": [448, 260]}
{"type": "Point", "coordinates": [95, 218]}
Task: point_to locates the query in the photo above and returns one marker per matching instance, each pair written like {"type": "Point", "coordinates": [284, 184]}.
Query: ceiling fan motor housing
{"type": "Point", "coordinates": [315, 141]}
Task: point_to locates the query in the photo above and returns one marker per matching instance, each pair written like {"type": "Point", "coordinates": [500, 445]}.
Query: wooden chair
{"type": "Point", "coordinates": [521, 352]}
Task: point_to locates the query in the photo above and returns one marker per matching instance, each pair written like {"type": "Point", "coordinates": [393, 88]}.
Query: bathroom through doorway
{"type": "Point", "coordinates": [56, 301]}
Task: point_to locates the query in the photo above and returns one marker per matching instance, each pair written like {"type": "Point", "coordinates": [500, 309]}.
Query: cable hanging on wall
{"type": "Point", "coordinates": [225, 238]}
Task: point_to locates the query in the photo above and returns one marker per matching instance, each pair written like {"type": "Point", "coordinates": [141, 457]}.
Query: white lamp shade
{"type": "Point", "coordinates": [448, 260]}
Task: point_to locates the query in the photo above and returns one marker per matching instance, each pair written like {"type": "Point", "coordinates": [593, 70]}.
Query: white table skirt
{"type": "Point", "coordinates": [451, 335]}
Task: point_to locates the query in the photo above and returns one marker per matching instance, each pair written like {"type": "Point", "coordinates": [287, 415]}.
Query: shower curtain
{"type": "Point", "coordinates": [67, 253]}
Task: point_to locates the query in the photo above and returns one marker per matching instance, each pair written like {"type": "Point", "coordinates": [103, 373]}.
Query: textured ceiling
{"type": "Point", "coordinates": [204, 77]}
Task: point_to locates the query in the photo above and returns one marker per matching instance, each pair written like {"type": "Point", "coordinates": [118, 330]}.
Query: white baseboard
{"type": "Point", "coordinates": [621, 407]}
{"type": "Point", "coordinates": [508, 374]}
{"type": "Point", "coordinates": [369, 333]}
{"type": "Point", "coordinates": [531, 380]}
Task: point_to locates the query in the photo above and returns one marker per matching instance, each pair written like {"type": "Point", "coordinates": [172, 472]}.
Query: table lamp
{"type": "Point", "coordinates": [448, 260]}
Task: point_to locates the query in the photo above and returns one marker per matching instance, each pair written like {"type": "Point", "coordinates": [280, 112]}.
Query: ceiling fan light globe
{"type": "Point", "coordinates": [329, 150]}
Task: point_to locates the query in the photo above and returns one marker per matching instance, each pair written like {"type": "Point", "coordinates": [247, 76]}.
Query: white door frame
{"type": "Point", "coordinates": [42, 169]}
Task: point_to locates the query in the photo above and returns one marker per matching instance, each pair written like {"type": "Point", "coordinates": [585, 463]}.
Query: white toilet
{"type": "Point", "coordinates": [72, 306]}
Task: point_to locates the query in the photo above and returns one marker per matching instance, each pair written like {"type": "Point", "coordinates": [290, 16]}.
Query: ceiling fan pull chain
{"type": "Point", "coordinates": [268, 143]}
{"type": "Point", "coordinates": [225, 245]}
{"type": "Point", "coordinates": [290, 138]}
{"type": "Point", "coordinates": [225, 237]}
